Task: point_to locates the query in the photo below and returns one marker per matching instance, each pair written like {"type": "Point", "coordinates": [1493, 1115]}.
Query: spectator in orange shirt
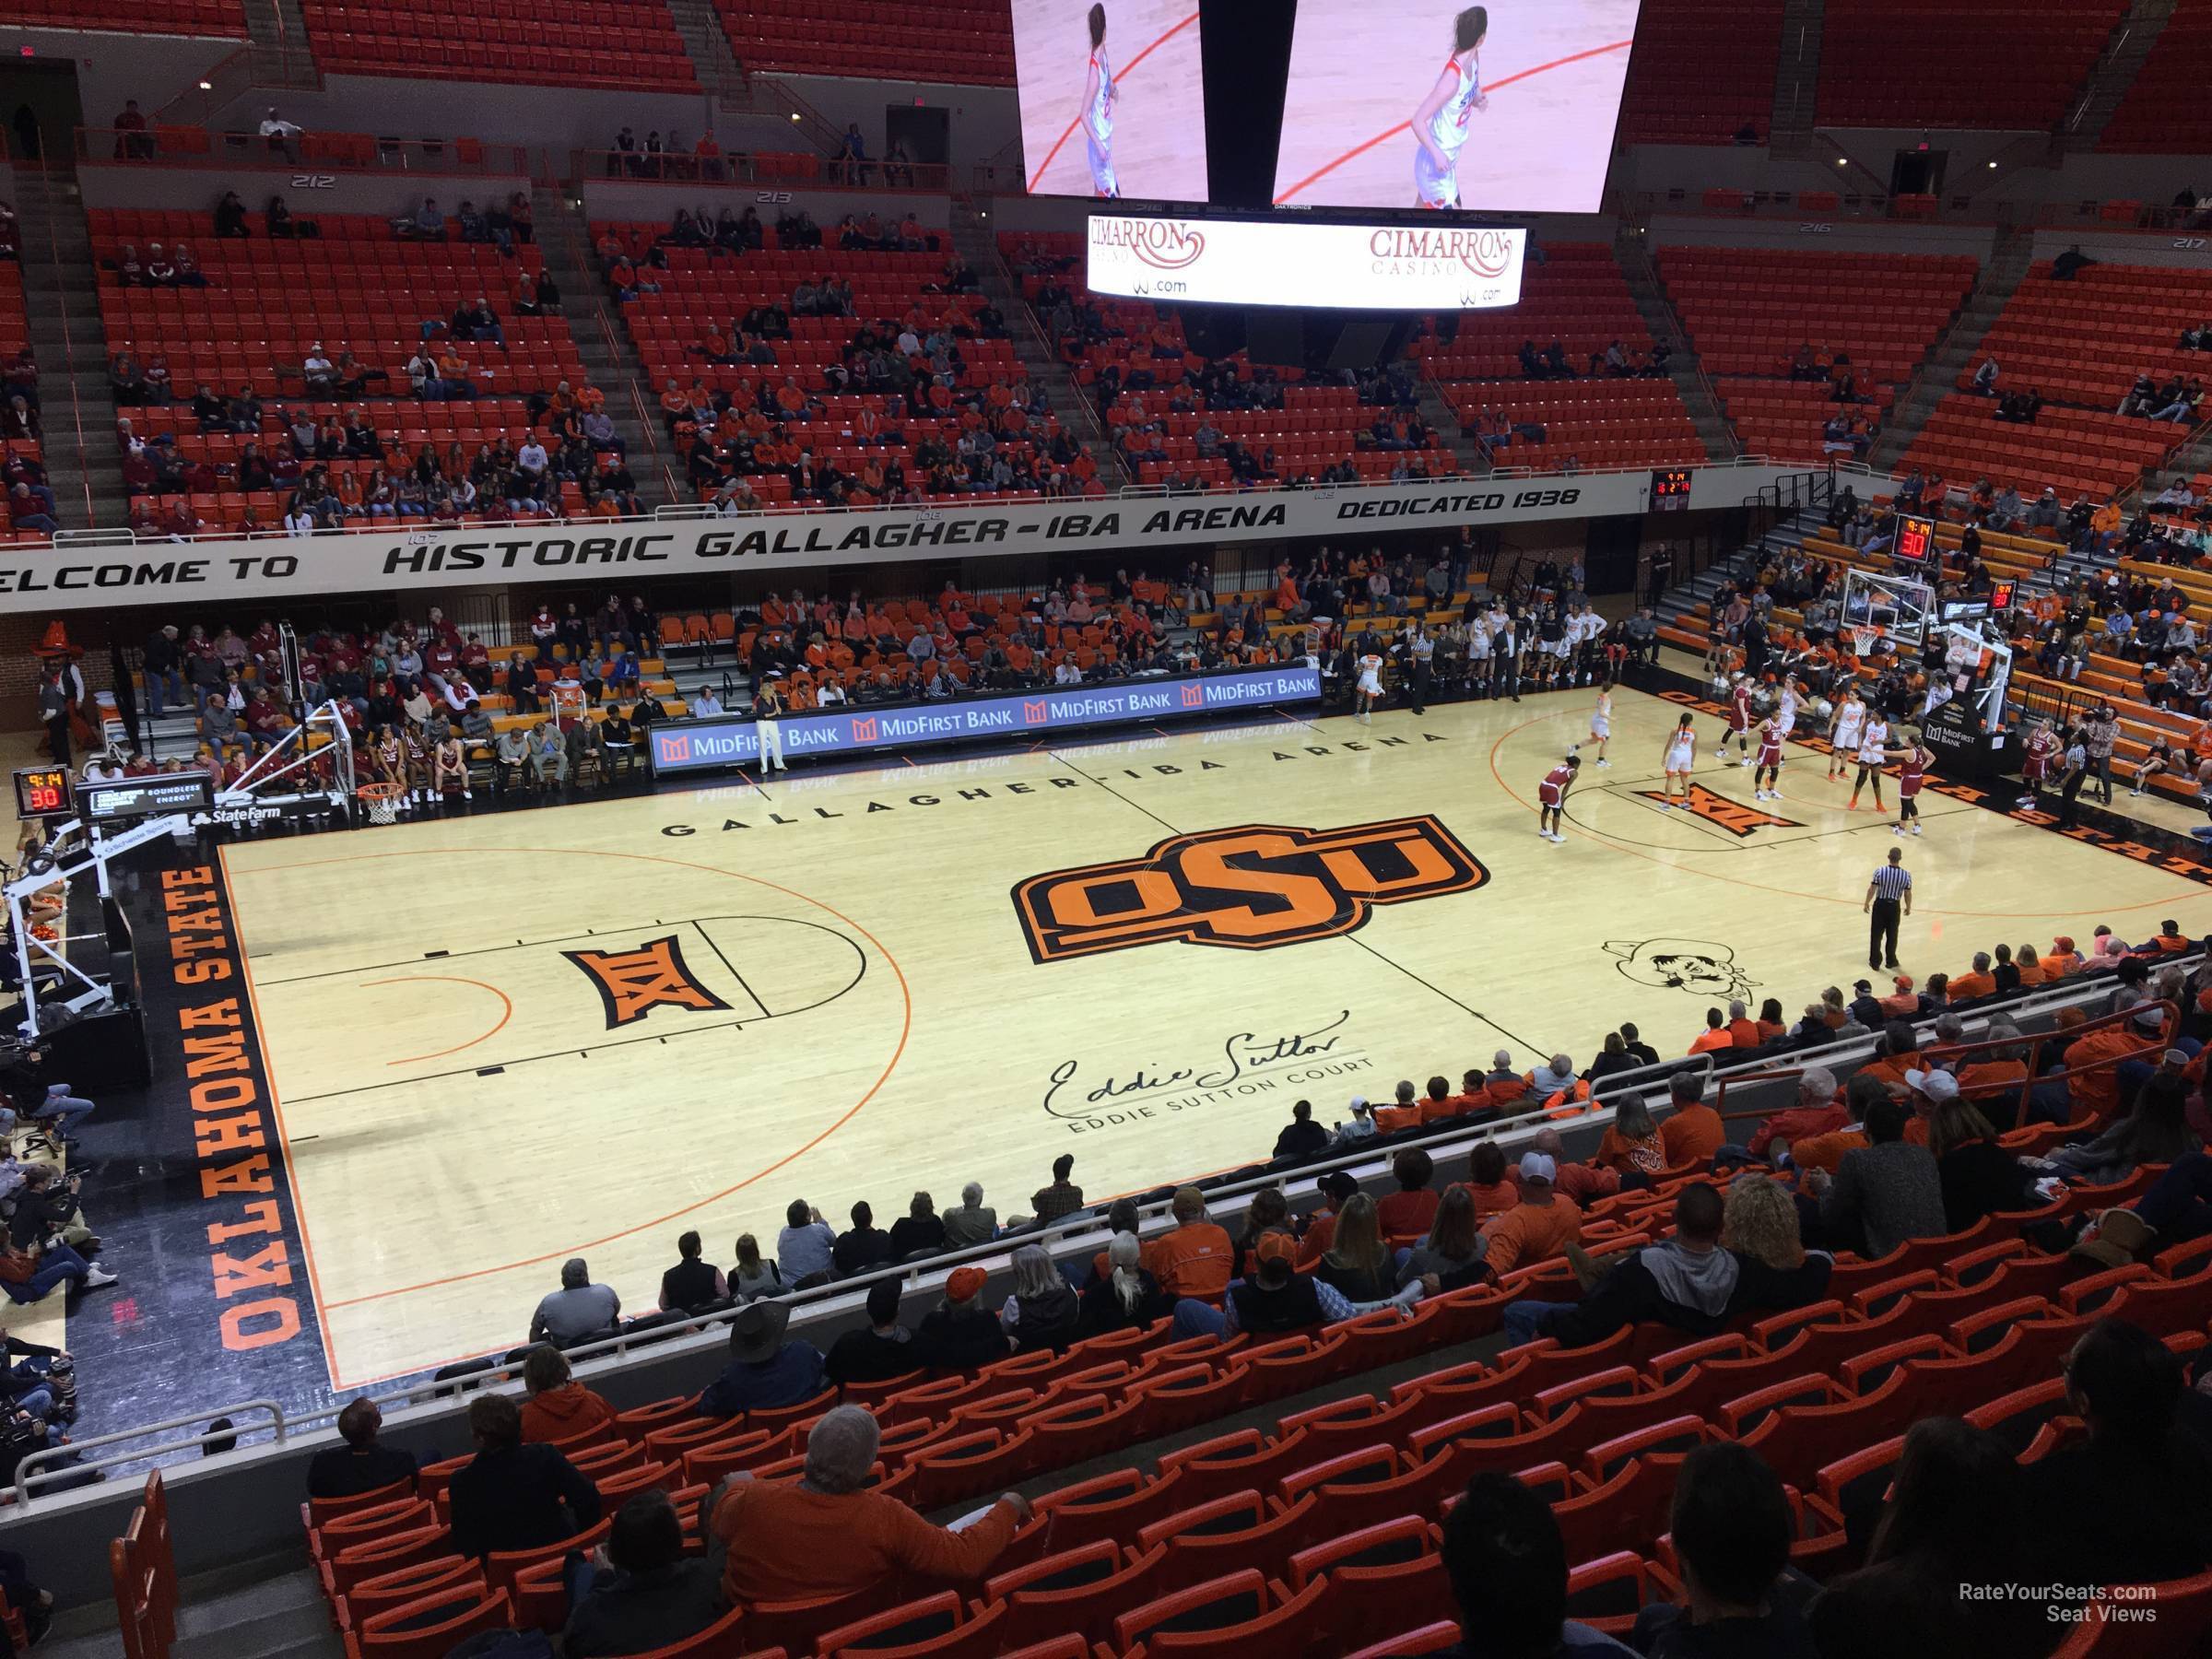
{"type": "Point", "coordinates": [1715, 1035]}
{"type": "Point", "coordinates": [1321, 1226]}
{"type": "Point", "coordinates": [827, 1534]}
{"type": "Point", "coordinates": [1407, 1213]}
{"type": "Point", "coordinates": [1978, 982]}
{"type": "Point", "coordinates": [1632, 1144]}
{"type": "Point", "coordinates": [1772, 1028]}
{"type": "Point", "coordinates": [2170, 940]}
{"type": "Point", "coordinates": [1900, 1053]}
{"type": "Point", "coordinates": [1818, 1112]}
{"type": "Point", "coordinates": [1404, 1114]}
{"type": "Point", "coordinates": [1440, 1102]}
{"type": "Point", "coordinates": [559, 1409]}
{"type": "Point", "coordinates": [1582, 1185]}
{"type": "Point", "coordinates": [1825, 1151]}
{"type": "Point", "coordinates": [1489, 1181]}
{"type": "Point", "coordinates": [1536, 1229]}
{"type": "Point", "coordinates": [1743, 1031]}
{"type": "Point", "coordinates": [2062, 958]}
{"type": "Point", "coordinates": [2087, 1088]}
{"type": "Point", "coordinates": [1991, 1082]}
{"type": "Point", "coordinates": [2032, 971]}
{"type": "Point", "coordinates": [1692, 1130]}
{"type": "Point", "coordinates": [1193, 1258]}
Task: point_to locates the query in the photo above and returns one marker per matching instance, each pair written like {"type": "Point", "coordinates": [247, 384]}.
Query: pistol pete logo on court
{"type": "Point", "coordinates": [1253, 886]}
{"type": "Point", "coordinates": [631, 983]}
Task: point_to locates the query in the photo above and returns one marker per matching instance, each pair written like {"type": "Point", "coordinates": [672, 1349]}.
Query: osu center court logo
{"type": "Point", "coordinates": [631, 983]}
{"type": "Point", "coordinates": [1250, 888]}
{"type": "Point", "coordinates": [1735, 818]}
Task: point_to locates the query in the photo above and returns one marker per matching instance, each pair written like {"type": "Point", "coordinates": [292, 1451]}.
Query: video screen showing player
{"type": "Point", "coordinates": [1409, 103]}
{"type": "Point", "coordinates": [1112, 99]}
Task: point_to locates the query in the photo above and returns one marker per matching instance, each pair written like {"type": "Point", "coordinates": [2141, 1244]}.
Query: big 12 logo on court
{"type": "Point", "coordinates": [1251, 888]}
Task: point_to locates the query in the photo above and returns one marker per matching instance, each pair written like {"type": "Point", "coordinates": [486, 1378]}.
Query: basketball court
{"type": "Point", "coordinates": [1553, 75]}
{"type": "Point", "coordinates": [500, 1041]}
{"type": "Point", "coordinates": [1159, 103]}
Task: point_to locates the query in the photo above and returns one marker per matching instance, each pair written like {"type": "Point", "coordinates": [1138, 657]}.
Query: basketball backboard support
{"type": "Point", "coordinates": [1899, 606]}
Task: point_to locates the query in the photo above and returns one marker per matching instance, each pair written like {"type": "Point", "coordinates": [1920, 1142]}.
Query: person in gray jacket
{"type": "Point", "coordinates": [1883, 1194]}
{"type": "Point", "coordinates": [971, 1222]}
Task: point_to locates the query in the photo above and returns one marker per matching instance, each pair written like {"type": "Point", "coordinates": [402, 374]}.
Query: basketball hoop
{"type": "Point", "coordinates": [1863, 640]}
{"type": "Point", "coordinates": [381, 801]}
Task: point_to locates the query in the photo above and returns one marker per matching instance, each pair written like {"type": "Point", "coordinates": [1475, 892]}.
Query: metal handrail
{"type": "Point", "coordinates": [1083, 1234]}
{"type": "Point", "coordinates": [580, 258]}
{"type": "Point", "coordinates": [790, 169]}
{"type": "Point", "coordinates": [122, 535]}
{"type": "Point", "coordinates": [28, 1472]}
{"type": "Point", "coordinates": [2097, 978]}
{"type": "Point", "coordinates": [61, 301]}
{"type": "Point", "coordinates": [232, 150]}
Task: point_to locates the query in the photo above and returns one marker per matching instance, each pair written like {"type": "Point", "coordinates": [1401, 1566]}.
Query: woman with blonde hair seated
{"type": "Point", "coordinates": [1774, 1270]}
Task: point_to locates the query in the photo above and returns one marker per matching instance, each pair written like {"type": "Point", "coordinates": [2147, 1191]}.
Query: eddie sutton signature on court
{"type": "Point", "coordinates": [1249, 1065]}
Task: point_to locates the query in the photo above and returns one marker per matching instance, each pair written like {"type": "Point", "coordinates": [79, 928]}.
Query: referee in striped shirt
{"type": "Point", "coordinates": [1889, 896]}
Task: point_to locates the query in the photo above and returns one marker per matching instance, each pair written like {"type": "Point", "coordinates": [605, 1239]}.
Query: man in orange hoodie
{"type": "Point", "coordinates": [560, 1411]}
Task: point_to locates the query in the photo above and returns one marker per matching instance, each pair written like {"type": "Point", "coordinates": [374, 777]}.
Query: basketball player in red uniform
{"type": "Point", "coordinates": [2036, 760]}
{"type": "Point", "coordinates": [1766, 779]}
{"type": "Point", "coordinates": [1551, 797]}
{"type": "Point", "coordinates": [1911, 772]}
{"type": "Point", "coordinates": [1739, 721]}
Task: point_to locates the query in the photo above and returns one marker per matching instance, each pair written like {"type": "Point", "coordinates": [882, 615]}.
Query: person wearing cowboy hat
{"type": "Point", "coordinates": [765, 1371]}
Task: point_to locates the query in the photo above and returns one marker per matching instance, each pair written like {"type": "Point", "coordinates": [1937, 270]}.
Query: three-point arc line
{"type": "Point", "coordinates": [506, 1009]}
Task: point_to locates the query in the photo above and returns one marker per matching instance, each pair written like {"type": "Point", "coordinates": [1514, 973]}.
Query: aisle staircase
{"type": "Point", "coordinates": [1796, 76]}
{"type": "Point", "coordinates": [2115, 72]}
{"type": "Point", "coordinates": [977, 244]}
{"type": "Point", "coordinates": [61, 298]}
{"type": "Point", "coordinates": [610, 358]}
{"type": "Point", "coordinates": [2009, 257]}
{"type": "Point", "coordinates": [1699, 397]}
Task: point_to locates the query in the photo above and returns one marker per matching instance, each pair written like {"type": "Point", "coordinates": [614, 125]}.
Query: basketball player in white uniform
{"type": "Point", "coordinates": [1440, 123]}
{"type": "Point", "coordinates": [1843, 733]}
{"type": "Point", "coordinates": [1682, 755]}
{"type": "Point", "coordinates": [1601, 722]}
{"type": "Point", "coordinates": [1873, 754]}
{"type": "Point", "coordinates": [1097, 110]}
{"type": "Point", "coordinates": [1367, 691]}
{"type": "Point", "coordinates": [1785, 712]}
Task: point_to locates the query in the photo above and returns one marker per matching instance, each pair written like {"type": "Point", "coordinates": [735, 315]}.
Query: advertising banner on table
{"type": "Point", "coordinates": [1286, 261]}
{"type": "Point", "coordinates": [709, 745]}
{"type": "Point", "coordinates": [272, 570]}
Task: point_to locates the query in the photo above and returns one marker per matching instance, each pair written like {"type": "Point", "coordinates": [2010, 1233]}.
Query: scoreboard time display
{"type": "Point", "coordinates": [44, 791]}
{"type": "Point", "coordinates": [1670, 489]}
{"type": "Point", "coordinates": [1915, 539]}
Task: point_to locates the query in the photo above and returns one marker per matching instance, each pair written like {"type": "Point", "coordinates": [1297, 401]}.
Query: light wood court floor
{"type": "Point", "coordinates": [502, 1041]}
{"type": "Point", "coordinates": [1359, 69]}
{"type": "Point", "coordinates": [1158, 105]}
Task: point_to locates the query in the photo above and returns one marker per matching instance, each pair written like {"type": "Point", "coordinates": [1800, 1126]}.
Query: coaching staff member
{"type": "Point", "coordinates": [1889, 896]}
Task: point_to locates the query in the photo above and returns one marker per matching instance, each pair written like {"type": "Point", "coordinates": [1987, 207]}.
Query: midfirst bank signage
{"type": "Point", "coordinates": [708, 744]}
{"type": "Point", "coordinates": [89, 574]}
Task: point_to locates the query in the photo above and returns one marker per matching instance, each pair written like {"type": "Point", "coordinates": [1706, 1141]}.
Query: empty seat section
{"type": "Point", "coordinates": [626, 45]}
{"type": "Point", "coordinates": [1701, 71]}
{"type": "Point", "coordinates": [2029, 61]}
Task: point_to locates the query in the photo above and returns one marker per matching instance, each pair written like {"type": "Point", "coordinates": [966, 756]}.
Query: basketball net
{"type": "Point", "coordinates": [1862, 640]}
